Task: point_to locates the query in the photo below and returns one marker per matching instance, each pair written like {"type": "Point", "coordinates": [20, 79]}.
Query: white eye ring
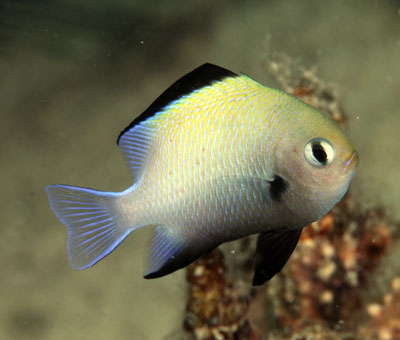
{"type": "Point", "coordinates": [319, 152]}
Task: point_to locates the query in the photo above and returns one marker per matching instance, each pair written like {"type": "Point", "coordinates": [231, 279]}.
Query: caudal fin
{"type": "Point", "coordinates": [95, 226]}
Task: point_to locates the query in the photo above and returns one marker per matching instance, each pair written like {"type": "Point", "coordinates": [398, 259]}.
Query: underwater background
{"type": "Point", "coordinates": [74, 74]}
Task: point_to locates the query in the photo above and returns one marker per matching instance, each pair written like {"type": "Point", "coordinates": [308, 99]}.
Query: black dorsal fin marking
{"type": "Point", "coordinates": [202, 76]}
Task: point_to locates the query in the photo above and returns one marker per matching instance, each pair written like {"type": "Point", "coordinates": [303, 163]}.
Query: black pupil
{"type": "Point", "coordinates": [319, 153]}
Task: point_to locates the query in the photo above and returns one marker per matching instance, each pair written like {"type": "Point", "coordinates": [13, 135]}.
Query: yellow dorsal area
{"type": "Point", "coordinates": [234, 119]}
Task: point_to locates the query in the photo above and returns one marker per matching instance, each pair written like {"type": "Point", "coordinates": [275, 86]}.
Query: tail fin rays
{"type": "Point", "coordinates": [95, 227]}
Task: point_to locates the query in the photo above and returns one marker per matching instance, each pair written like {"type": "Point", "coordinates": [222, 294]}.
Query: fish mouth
{"type": "Point", "coordinates": [351, 163]}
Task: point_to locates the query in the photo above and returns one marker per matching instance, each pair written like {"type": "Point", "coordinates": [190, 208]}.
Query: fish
{"type": "Point", "coordinates": [215, 158]}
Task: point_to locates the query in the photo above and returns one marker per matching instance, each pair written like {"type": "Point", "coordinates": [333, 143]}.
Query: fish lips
{"type": "Point", "coordinates": [350, 163]}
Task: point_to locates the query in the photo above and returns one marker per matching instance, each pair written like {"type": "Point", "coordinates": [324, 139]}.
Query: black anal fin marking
{"type": "Point", "coordinates": [273, 250]}
{"type": "Point", "coordinates": [167, 252]}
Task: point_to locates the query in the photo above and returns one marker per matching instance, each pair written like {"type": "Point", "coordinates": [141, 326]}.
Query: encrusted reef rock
{"type": "Point", "coordinates": [325, 278]}
{"type": "Point", "coordinates": [216, 310]}
{"type": "Point", "coordinates": [384, 316]}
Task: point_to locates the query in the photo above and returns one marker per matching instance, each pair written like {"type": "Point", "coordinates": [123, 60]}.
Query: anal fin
{"type": "Point", "coordinates": [167, 252]}
{"type": "Point", "coordinates": [273, 251]}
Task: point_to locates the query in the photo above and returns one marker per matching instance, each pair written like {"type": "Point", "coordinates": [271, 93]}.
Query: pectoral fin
{"type": "Point", "coordinates": [273, 250]}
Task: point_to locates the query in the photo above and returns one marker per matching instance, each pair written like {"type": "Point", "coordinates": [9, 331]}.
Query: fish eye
{"type": "Point", "coordinates": [319, 152]}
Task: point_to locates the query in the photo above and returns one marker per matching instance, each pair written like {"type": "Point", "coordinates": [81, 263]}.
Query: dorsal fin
{"type": "Point", "coordinates": [202, 76]}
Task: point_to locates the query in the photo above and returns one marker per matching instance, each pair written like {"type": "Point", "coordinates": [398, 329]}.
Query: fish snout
{"type": "Point", "coordinates": [350, 163]}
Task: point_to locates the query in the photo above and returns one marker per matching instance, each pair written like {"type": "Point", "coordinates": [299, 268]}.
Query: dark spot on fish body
{"type": "Point", "coordinates": [277, 188]}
